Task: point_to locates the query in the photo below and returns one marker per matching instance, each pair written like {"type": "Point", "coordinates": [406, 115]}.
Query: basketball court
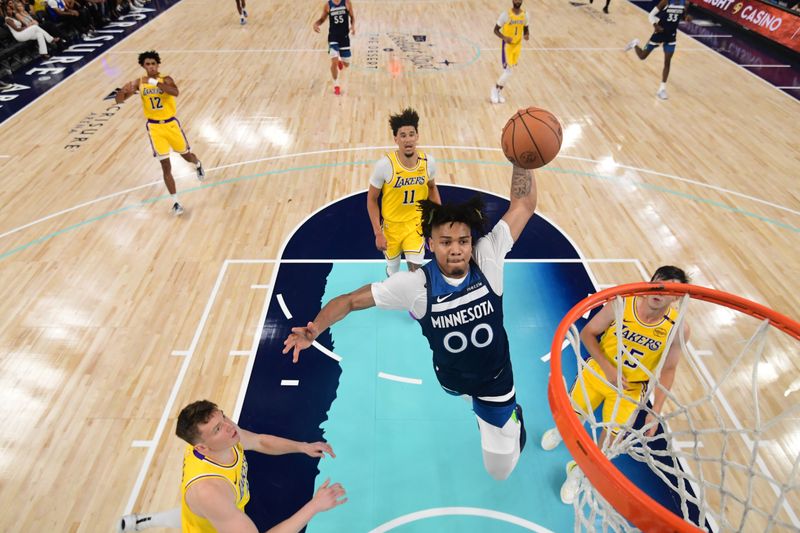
{"type": "Point", "coordinates": [116, 314]}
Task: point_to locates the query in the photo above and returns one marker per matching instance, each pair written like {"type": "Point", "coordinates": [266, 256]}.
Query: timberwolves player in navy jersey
{"type": "Point", "coordinates": [665, 18]}
{"type": "Point", "coordinates": [458, 300]}
{"type": "Point", "coordinates": [341, 23]}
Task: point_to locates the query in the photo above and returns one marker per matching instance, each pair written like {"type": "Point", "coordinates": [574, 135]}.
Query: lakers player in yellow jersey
{"type": "Point", "coordinates": [511, 28]}
{"type": "Point", "coordinates": [158, 93]}
{"type": "Point", "coordinates": [214, 487]}
{"type": "Point", "coordinates": [647, 324]}
{"type": "Point", "coordinates": [401, 179]}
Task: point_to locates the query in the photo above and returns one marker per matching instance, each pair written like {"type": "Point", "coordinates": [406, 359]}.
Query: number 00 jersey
{"type": "Point", "coordinates": [644, 341]}
{"type": "Point", "coordinates": [157, 104]}
{"type": "Point", "coordinates": [407, 187]}
{"type": "Point", "coordinates": [464, 327]}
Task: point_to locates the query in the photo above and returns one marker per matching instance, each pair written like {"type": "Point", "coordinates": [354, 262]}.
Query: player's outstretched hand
{"type": "Point", "coordinates": [317, 449]}
{"type": "Point", "coordinates": [300, 339]}
{"type": "Point", "coordinates": [316, 27]}
{"type": "Point", "coordinates": [328, 497]}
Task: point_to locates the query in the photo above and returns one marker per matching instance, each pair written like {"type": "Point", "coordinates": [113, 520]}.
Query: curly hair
{"type": "Point", "coordinates": [150, 54]}
{"type": "Point", "coordinates": [191, 416]}
{"type": "Point", "coordinates": [470, 213]}
{"type": "Point", "coordinates": [408, 117]}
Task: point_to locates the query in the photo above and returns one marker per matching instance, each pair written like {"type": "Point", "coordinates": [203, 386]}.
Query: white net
{"type": "Point", "coordinates": [726, 454]}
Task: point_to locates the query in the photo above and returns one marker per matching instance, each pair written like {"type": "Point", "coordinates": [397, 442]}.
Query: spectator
{"type": "Point", "coordinates": [24, 28]}
{"type": "Point", "coordinates": [70, 13]}
{"type": "Point", "coordinates": [28, 12]}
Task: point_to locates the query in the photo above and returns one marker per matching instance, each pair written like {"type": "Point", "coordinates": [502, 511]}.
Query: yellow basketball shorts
{"type": "Point", "coordinates": [590, 387]}
{"type": "Point", "coordinates": [510, 54]}
{"type": "Point", "coordinates": [403, 237]}
{"type": "Point", "coordinates": [165, 135]}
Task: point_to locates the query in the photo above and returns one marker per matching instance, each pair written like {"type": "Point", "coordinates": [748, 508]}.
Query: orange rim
{"type": "Point", "coordinates": [628, 500]}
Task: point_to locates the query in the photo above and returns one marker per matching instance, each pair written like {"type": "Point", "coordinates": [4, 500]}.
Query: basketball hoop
{"type": "Point", "coordinates": [724, 473]}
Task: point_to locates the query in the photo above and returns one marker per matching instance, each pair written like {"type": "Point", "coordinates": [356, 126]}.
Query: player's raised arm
{"type": "Point", "coordinates": [335, 310]}
{"type": "Point", "coordinates": [523, 200]}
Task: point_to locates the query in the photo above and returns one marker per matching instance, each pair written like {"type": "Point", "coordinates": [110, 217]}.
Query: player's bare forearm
{"type": "Point", "coordinates": [343, 305]}
{"type": "Point", "coordinates": [497, 32]}
{"type": "Point", "coordinates": [523, 188]}
{"type": "Point", "coordinates": [374, 213]}
{"type": "Point", "coordinates": [666, 380]}
{"type": "Point", "coordinates": [523, 200]}
{"type": "Point", "coordinates": [272, 445]}
{"type": "Point", "coordinates": [433, 194]}
{"type": "Point", "coordinates": [589, 340]}
{"type": "Point", "coordinates": [169, 87]}
{"type": "Point", "coordinates": [125, 92]}
{"type": "Point", "coordinates": [296, 522]}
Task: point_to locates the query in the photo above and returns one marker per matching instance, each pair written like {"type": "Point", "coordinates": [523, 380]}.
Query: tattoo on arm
{"type": "Point", "coordinates": [520, 182]}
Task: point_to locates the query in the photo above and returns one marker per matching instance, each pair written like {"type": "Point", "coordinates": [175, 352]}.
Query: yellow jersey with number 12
{"type": "Point", "coordinates": [157, 104]}
{"type": "Point", "coordinates": [407, 187]}
{"type": "Point", "coordinates": [515, 26]}
{"type": "Point", "coordinates": [196, 469]}
{"type": "Point", "coordinates": [645, 342]}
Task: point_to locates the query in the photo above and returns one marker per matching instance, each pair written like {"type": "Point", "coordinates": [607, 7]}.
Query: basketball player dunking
{"type": "Point", "coordinates": [404, 177]}
{"type": "Point", "coordinates": [341, 24]}
{"type": "Point", "coordinates": [158, 93]}
{"type": "Point", "coordinates": [665, 18]}
{"type": "Point", "coordinates": [457, 300]}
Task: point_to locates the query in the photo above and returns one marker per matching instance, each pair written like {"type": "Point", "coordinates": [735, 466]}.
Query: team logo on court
{"type": "Point", "coordinates": [402, 53]}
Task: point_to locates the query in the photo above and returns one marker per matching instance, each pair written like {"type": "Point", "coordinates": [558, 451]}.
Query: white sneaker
{"type": "Point", "coordinates": [242, 21]}
{"type": "Point", "coordinates": [570, 487]}
{"type": "Point", "coordinates": [631, 44]}
{"type": "Point", "coordinates": [130, 522]}
{"type": "Point", "coordinates": [177, 209]}
{"type": "Point", "coordinates": [500, 98]}
{"type": "Point", "coordinates": [244, 13]}
{"type": "Point", "coordinates": [662, 93]}
{"type": "Point", "coordinates": [551, 439]}
{"type": "Point", "coordinates": [495, 96]}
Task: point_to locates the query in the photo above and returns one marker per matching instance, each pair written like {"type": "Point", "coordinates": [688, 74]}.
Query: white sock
{"type": "Point", "coordinates": [504, 77]}
{"type": "Point", "coordinates": [170, 519]}
{"type": "Point", "coordinates": [663, 86]}
{"type": "Point", "coordinates": [174, 198]}
{"type": "Point", "coordinates": [393, 265]}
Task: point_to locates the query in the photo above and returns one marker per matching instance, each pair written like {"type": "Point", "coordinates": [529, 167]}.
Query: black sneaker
{"type": "Point", "coordinates": [177, 209]}
{"type": "Point", "coordinates": [201, 174]}
{"type": "Point", "coordinates": [523, 436]}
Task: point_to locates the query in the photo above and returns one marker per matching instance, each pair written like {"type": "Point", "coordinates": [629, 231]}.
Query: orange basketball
{"type": "Point", "coordinates": [531, 138]}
